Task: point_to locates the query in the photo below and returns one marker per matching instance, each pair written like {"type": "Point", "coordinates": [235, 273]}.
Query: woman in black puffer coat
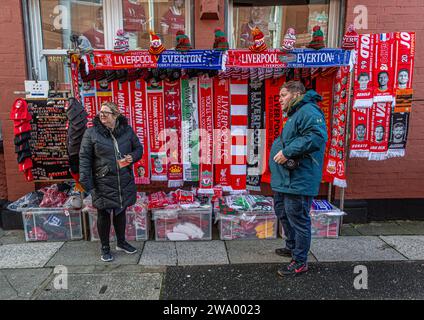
{"type": "Point", "coordinates": [107, 152]}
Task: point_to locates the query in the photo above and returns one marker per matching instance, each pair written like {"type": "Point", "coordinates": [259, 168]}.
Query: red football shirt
{"type": "Point", "coordinates": [173, 20]}
{"type": "Point", "coordinates": [134, 16]}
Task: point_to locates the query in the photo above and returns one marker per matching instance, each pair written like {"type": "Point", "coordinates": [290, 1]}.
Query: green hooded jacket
{"type": "Point", "coordinates": [305, 136]}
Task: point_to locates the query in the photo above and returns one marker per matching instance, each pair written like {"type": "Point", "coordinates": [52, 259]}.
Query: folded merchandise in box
{"type": "Point", "coordinates": [181, 225]}
{"type": "Point", "coordinates": [247, 226]}
{"type": "Point", "coordinates": [52, 224]}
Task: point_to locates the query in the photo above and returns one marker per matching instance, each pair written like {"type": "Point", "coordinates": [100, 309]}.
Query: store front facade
{"type": "Point", "coordinates": [37, 41]}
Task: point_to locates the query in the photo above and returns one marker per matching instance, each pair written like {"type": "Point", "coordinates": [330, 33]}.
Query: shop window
{"type": "Point", "coordinates": [275, 17]}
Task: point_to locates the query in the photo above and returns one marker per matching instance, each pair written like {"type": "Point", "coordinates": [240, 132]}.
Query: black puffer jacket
{"type": "Point", "coordinates": [110, 187]}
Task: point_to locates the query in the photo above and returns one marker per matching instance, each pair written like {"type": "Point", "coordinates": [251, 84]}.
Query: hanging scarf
{"type": "Point", "coordinates": [335, 166]}
{"type": "Point", "coordinates": [206, 135]}
{"type": "Point", "coordinates": [238, 91]}
{"type": "Point", "coordinates": [380, 122]}
{"type": "Point", "coordinates": [75, 77]}
{"type": "Point", "coordinates": [104, 94]}
{"type": "Point", "coordinates": [384, 67]}
{"type": "Point", "coordinates": [324, 87]}
{"type": "Point", "coordinates": [256, 134]}
{"type": "Point", "coordinates": [89, 101]}
{"type": "Point", "coordinates": [222, 139]}
{"type": "Point", "coordinates": [360, 133]}
{"type": "Point", "coordinates": [138, 103]}
{"type": "Point", "coordinates": [404, 68]}
{"type": "Point", "coordinates": [121, 96]}
{"type": "Point", "coordinates": [363, 84]}
{"type": "Point", "coordinates": [190, 132]}
{"type": "Point", "coordinates": [172, 102]}
{"type": "Point", "coordinates": [156, 114]}
{"type": "Point", "coordinates": [273, 118]}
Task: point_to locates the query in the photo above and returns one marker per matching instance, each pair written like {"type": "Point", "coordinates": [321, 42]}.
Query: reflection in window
{"type": "Point", "coordinates": [61, 18]}
{"type": "Point", "coordinates": [275, 20]}
{"type": "Point", "coordinates": [164, 17]}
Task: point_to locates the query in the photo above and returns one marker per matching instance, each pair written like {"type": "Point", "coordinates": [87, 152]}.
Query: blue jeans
{"type": "Point", "coordinates": [293, 212]}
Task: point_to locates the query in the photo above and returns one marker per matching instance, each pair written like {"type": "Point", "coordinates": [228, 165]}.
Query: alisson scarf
{"type": "Point", "coordinates": [404, 56]}
{"type": "Point", "coordinates": [380, 122]}
{"type": "Point", "coordinates": [190, 129]}
{"type": "Point", "coordinates": [222, 139]}
{"type": "Point", "coordinates": [89, 100]}
{"type": "Point", "coordinates": [360, 133]}
{"type": "Point", "coordinates": [172, 102]}
{"type": "Point", "coordinates": [335, 167]}
{"type": "Point", "coordinates": [384, 67]}
{"type": "Point", "coordinates": [156, 114]}
{"type": "Point", "coordinates": [363, 84]}
{"type": "Point", "coordinates": [238, 91]}
{"type": "Point", "coordinates": [206, 135]}
{"type": "Point", "coordinates": [138, 103]}
{"type": "Point", "coordinates": [255, 134]}
{"type": "Point", "coordinates": [273, 118]}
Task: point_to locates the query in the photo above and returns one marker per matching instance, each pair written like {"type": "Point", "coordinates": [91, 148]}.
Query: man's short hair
{"type": "Point", "coordinates": [360, 125]}
{"type": "Point", "coordinates": [404, 70]}
{"type": "Point", "coordinates": [382, 73]}
{"type": "Point", "coordinates": [294, 87]}
{"type": "Point", "coordinates": [363, 74]}
{"type": "Point", "coordinates": [399, 124]}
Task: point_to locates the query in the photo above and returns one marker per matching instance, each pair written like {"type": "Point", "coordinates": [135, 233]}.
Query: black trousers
{"type": "Point", "coordinates": [103, 226]}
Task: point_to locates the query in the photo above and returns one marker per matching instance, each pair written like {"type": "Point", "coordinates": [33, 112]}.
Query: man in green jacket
{"type": "Point", "coordinates": [296, 162]}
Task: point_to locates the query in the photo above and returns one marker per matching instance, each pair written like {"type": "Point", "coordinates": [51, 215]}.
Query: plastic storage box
{"type": "Point", "coordinates": [182, 225]}
{"type": "Point", "coordinates": [137, 229]}
{"type": "Point", "coordinates": [52, 224]}
{"type": "Point", "coordinates": [247, 226]}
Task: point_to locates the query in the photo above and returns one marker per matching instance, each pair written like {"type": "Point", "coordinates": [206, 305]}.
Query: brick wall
{"type": "Point", "coordinates": [13, 62]}
{"type": "Point", "coordinates": [403, 177]}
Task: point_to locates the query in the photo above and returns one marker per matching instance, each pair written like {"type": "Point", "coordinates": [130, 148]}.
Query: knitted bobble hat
{"type": "Point", "coordinates": [317, 39]}
{"type": "Point", "coordinates": [259, 41]}
{"type": "Point", "coordinates": [156, 46]}
{"type": "Point", "coordinates": [221, 42]}
{"type": "Point", "coordinates": [182, 42]}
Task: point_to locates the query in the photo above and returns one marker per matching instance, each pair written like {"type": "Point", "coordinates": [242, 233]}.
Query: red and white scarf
{"type": "Point", "coordinates": [138, 103]}
{"type": "Point", "coordinates": [121, 96]}
{"type": "Point", "coordinates": [273, 119]}
{"type": "Point", "coordinates": [360, 133]}
{"type": "Point", "coordinates": [156, 114]}
{"type": "Point", "coordinates": [335, 167]}
{"type": "Point", "coordinates": [206, 135]}
{"type": "Point", "coordinates": [222, 132]}
{"type": "Point", "coordinates": [363, 84]}
{"type": "Point", "coordinates": [172, 102]}
{"type": "Point", "coordinates": [384, 67]}
{"type": "Point", "coordinates": [89, 100]}
{"type": "Point", "coordinates": [380, 125]}
{"type": "Point", "coordinates": [75, 76]}
{"type": "Point", "coordinates": [238, 90]}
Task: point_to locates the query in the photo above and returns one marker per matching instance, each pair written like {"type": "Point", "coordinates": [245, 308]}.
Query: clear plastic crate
{"type": "Point", "coordinates": [183, 225]}
{"type": "Point", "coordinates": [137, 228]}
{"type": "Point", "coordinates": [243, 226]}
{"type": "Point", "coordinates": [52, 224]}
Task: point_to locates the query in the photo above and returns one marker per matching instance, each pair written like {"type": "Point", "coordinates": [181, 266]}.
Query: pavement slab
{"type": "Point", "coordinates": [1, 232]}
{"type": "Point", "coordinates": [201, 253]}
{"type": "Point", "coordinates": [353, 249]}
{"type": "Point", "coordinates": [159, 254]}
{"type": "Point", "coordinates": [21, 283]}
{"type": "Point", "coordinates": [13, 237]}
{"type": "Point", "coordinates": [385, 280]}
{"type": "Point", "coordinates": [256, 251]}
{"type": "Point", "coordinates": [411, 247]}
{"type": "Point", "coordinates": [28, 255]}
{"type": "Point", "coordinates": [115, 286]}
{"type": "Point", "coordinates": [414, 227]}
{"type": "Point", "coordinates": [87, 253]}
{"type": "Point", "coordinates": [349, 230]}
{"type": "Point", "coordinates": [381, 229]}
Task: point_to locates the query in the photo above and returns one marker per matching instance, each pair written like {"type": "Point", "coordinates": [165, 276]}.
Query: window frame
{"type": "Point", "coordinates": [334, 17]}
{"type": "Point", "coordinates": [113, 20]}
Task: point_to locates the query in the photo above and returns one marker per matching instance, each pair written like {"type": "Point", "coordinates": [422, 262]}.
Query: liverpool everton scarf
{"type": "Point", "coordinates": [404, 56]}
{"type": "Point", "coordinates": [273, 118]}
{"type": "Point", "coordinates": [363, 83]}
{"type": "Point", "coordinates": [190, 129]}
{"type": "Point", "coordinates": [334, 171]}
{"type": "Point", "coordinates": [172, 102]}
{"type": "Point", "coordinates": [238, 91]}
{"type": "Point", "coordinates": [360, 133]}
{"type": "Point", "coordinates": [138, 103]}
{"type": "Point", "coordinates": [384, 67]}
{"type": "Point", "coordinates": [157, 136]}
{"type": "Point", "coordinates": [255, 134]}
{"type": "Point", "coordinates": [222, 139]}
{"type": "Point", "coordinates": [380, 122]}
{"type": "Point", "coordinates": [206, 135]}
